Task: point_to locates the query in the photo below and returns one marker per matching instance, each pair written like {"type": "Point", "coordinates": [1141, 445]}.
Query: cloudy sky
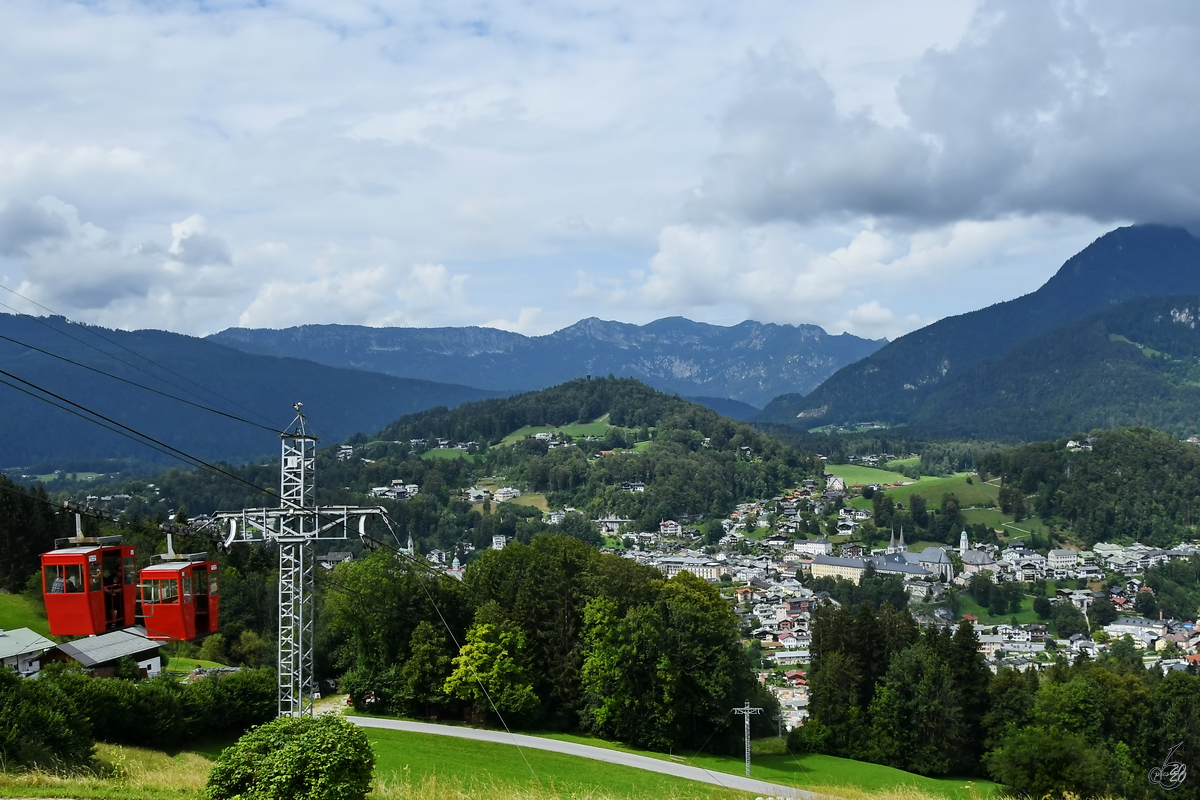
{"type": "Point", "coordinates": [864, 165]}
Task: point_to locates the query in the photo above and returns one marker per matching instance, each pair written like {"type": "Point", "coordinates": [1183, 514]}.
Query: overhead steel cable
{"type": "Point", "coordinates": [149, 441]}
{"type": "Point", "coordinates": [150, 361]}
{"type": "Point", "coordinates": [138, 385]}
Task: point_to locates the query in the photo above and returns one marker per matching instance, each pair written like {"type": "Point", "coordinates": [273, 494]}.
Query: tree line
{"type": "Point", "coordinates": [549, 634]}
{"type": "Point", "coordinates": [923, 701]}
{"type": "Point", "coordinates": [1134, 483]}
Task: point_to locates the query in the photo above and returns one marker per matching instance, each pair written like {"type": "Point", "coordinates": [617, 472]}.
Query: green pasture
{"type": "Point", "coordinates": [469, 764]}
{"type": "Point", "coordinates": [855, 475]}
{"type": "Point", "coordinates": [18, 611]}
{"type": "Point", "coordinates": [898, 464]}
{"type": "Point", "coordinates": [932, 489]}
{"type": "Point", "coordinates": [538, 501]}
{"type": "Point", "coordinates": [69, 476]}
{"type": "Point", "coordinates": [448, 453]}
{"type": "Point", "coordinates": [967, 605]}
{"type": "Point", "coordinates": [578, 429]}
{"type": "Point", "coordinates": [811, 770]}
{"type": "Point", "coordinates": [182, 666]}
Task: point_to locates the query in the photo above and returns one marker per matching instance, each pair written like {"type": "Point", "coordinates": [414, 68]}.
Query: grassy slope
{"type": "Point", "coordinates": [597, 428]}
{"type": "Point", "coordinates": [932, 489]}
{"type": "Point", "coordinates": [466, 763]}
{"type": "Point", "coordinates": [16, 611]}
{"type": "Point", "coordinates": [812, 770]}
{"type": "Point", "coordinates": [855, 475]}
{"type": "Point", "coordinates": [967, 605]}
{"type": "Point", "coordinates": [448, 453]}
{"type": "Point", "coordinates": [538, 501]}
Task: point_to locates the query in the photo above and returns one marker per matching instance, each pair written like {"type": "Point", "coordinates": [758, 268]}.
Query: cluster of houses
{"type": "Point", "coordinates": [26, 652]}
{"type": "Point", "coordinates": [397, 490]}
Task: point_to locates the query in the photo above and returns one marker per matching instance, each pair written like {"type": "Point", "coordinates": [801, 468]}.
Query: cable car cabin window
{"type": "Point", "coordinates": [94, 576]}
{"type": "Point", "coordinates": [160, 590]}
{"type": "Point", "coordinates": [212, 582]}
{"type": "Point", "coordinates": [130, 572]}
{"type": "Point", "coordinates": [199, 583]}
{"type": "Point", "coordinates": [64, 578]}
{"type": "Point", "coordinates": [187, 587]}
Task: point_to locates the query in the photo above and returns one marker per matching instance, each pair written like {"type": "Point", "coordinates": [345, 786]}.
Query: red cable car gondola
{"type": "Point", "coordinates": [179, 598]}
{"type": "Point", "coordinates": [88, 585]}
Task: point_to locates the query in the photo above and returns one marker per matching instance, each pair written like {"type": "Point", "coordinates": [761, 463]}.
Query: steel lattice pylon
{"type": "Point", "coordinates": [294, 526]}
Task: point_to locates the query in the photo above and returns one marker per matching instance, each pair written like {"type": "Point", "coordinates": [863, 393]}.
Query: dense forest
{"type": "Point", "coordinates": [558, 634]}
{"type": "Point", "coordinates": [1134, 484]}
{"type": "Point", "coordinates": [923, 701]}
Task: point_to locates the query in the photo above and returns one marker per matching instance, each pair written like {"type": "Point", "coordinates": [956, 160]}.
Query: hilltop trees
{"type": "Point", "coordinates": [559, 635]}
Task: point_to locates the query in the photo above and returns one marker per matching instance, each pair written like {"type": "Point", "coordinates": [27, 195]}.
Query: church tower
{"type": "Point", "coordinates": [962, 543]}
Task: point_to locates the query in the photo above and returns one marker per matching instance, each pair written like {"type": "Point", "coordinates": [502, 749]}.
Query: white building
{"type": "Point", "coordinates": [669, 527]}
{"type": "Point", "coordinates": [499, 541]}
{"type": "Point", "coordinates": [814, 547]}
{"type": "Point", "coordinates": [506, 493]}
{"type": "Point", "coordinates": [1062, 559]}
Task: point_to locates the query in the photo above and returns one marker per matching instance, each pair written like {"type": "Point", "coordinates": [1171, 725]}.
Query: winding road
{"type": "Point", "coordinates": [761, 788]}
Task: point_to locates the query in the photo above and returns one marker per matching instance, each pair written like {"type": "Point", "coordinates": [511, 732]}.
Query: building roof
{"type": "Point", "coordinates": [20, 641]}
{"type": "Point", "coordinates": [110, 646]}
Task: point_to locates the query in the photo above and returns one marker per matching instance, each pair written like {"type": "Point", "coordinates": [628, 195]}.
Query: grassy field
{"type": "Point", "coordinates": [120, 773]}
{"type": "Point", "coordinates": [538, 501]}
{"type": "Point", "coordinates": [967, 605]}
{"type": "Point", "coordinates": [402, 756]}
{"type": "Point", "coordinates": [580, 429]}
{"type": "Point", "coordinates": [855, 475]}
{"type": "Point", "coordinates": [1003, 522]}
{"type": "Point", "coordinates": [815, 771]}
{"type": "Point", "coordinates": [898, 464]}
{"type": "Point", "coordinates": [182, 666]}
{"type": "Point", "coordinates": [932, 489]}
{"type": "Point", "coordinates": [448, 453]}
{"type": "Point", "coordinates": [425, 767]}
{"type": "Point", "coordinates": [17, 611]}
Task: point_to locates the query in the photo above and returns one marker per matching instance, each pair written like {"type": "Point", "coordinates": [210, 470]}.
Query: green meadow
{"type": "Point", "coordinates": [18, 611]}
{"type": "Point", "coordinates": [854, 475]}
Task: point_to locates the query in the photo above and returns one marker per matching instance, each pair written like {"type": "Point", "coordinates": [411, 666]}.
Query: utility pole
{"type": "Point", "coordinates": [294, 526]}
{"type": "Point", "coordinates": [746, 711]}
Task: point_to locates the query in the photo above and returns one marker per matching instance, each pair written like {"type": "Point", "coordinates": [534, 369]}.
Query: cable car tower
{"type": "Point", "coordinates": [295, 525]}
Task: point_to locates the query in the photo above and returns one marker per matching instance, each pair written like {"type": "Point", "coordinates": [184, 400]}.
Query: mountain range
{"type": "Point", "coordinates": [1109, 340]}
{"type": "Point", "coordinates": [751, 362]}
{"type": "Point", "coordinates": [257, 388]}
{"type": "Point", "coordinates": [903, 381]}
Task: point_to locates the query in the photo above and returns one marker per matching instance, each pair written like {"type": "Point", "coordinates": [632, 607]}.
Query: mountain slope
{"type": "Point", "coordinates": [1136, 364]}
{"type": "Point", "coordinates": [751, 362]}
{"type": "Point", "coordinates": [891, 384]}
{"type": "Point", "coordinates": [262, 388]}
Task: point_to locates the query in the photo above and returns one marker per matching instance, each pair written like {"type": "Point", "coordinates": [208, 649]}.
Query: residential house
{"type": "Point", "coordinates": [101, 654]}
{"type": "Point", "coordinates": [20, 649]}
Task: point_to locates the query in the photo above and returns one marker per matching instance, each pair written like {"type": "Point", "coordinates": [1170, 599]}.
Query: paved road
{"type": "Point", "coordinates": [761, 788]}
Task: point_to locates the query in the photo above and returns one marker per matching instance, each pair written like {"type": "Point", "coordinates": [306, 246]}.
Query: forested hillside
{"type": "Point", "coordinates": [891, 384]}
{"type": "Point", "coordinates": [692, 462]}
{"type": "Point", "coordinates": [1136, 364]}
{"type": "Point", "coordinates": [1134, 484]}
{"type": "Point", "coordinates": [884, 691]}
{"type": "Point", "coordinates": [102, 366]}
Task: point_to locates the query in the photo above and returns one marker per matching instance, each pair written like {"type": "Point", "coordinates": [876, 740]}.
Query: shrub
{"type": "Point", "coordinates": [42, 727]}
{"type": "Point", "coordinates": [296, 758]}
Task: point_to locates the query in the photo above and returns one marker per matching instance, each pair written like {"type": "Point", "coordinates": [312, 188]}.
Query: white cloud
{"type": "Point", "coordinates": [1082, 109]}
{"type": "Point", "coordinates": [526, 322]}
{"type": "Point", "coordinates": [277, 163]}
